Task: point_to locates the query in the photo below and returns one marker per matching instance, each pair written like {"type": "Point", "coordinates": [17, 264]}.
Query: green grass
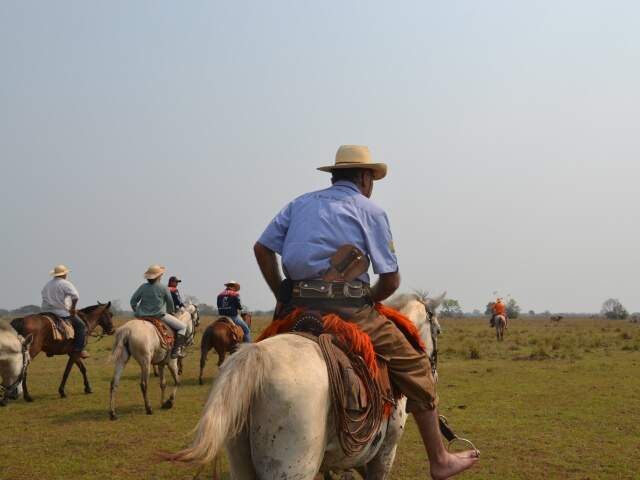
{"type": "Point", "coordinates": [553, 401]}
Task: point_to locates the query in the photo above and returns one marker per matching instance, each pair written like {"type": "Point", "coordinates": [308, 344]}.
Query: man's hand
{"type": "Point", "coordinates": [387, 284]}
{"type": "Point", "coordinates": [268, 264]}
{"type": "Point", "coordinates": [72, 310]}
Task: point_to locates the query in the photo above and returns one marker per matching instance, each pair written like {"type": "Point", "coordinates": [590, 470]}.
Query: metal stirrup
{"type": "Point", "coordinates": [451, 437]}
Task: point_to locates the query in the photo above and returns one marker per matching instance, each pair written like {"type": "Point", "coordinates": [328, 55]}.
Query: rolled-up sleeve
{"type": "Point", "coordinates": [380, 244]}
{"type": "Point", "coordinates": [274, 235]}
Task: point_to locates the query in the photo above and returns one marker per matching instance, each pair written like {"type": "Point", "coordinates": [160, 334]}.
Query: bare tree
{"type": "Point", "coordinates": [613, 309]}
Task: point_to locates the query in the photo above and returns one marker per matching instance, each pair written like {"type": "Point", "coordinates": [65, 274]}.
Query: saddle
{"type": "Point", "coordinates": [360, 398]}
{"type": "Point", "coordinates": [236, 332]}
{"type": "Point", "coordinates": [61, 329]}
{"type": "Point", "coordinates": [165, 334]}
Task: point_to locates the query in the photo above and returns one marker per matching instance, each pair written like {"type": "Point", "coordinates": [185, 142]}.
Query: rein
{"type": "Point", "coordinates": [25, 363]}
{"type": "Point", "coordinates": [433, 358]}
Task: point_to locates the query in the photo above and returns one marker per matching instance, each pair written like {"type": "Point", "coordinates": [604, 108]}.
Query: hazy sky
{"type": "Point", "coordinates": [172, 132]}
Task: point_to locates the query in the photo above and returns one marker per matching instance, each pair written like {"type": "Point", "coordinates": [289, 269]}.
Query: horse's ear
{"type": "Point", "coordinates": [99, 302]}
{"type": "Point", "coordinates": [436, 302]}
{"type": "Point", "coordinates": [109, 304]}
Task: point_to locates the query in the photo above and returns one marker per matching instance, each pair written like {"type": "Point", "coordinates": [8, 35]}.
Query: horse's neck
{"type": "Point", "coordinates": [416, 312]}
{"type": "Point", "coordinates": [91, 319]}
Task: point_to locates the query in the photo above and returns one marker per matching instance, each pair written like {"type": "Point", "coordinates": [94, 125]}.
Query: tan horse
{"type": "Point", "coordinates": [14, 359]}
{"type": "Point", "coordinates": [43, 340]}
{"type": "Point", "coordinates": [139, 339]}
{"type": "Point", "coordinates": [218, 336]}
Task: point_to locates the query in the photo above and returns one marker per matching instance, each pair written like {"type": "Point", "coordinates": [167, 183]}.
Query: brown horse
{"type": "Point", "coordinates": [219, 336]}
{"type": "Point", "coordinates": [43, 340]}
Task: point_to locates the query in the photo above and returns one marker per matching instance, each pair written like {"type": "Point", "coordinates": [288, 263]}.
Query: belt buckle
{"type": "Point", "coordinates": [324, 289]}
{"type": "Point", "coordinates": [357, 287]}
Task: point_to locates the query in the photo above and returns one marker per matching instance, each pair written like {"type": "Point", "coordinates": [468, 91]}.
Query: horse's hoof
{"type": "Point", "coordinates": [88, 390]}
{"type": "Point", "coordinates": [3, 402]}
{"type": "Point", "coordinates": [28, 399]}
{"type": "Point", "coordinates": [113, 416]}
{"type": "Point", "coordinates": [201, 381]}
{"type": "Point", "coordinates": [62, 394]}
{"type": "Point", "coordinates": [149, 411]}
{"type": "Point", "coordinates": [167, 405]}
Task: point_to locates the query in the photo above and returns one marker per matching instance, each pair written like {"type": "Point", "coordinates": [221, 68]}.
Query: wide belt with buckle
{"type": "Point", "coordinates": [321, 289]}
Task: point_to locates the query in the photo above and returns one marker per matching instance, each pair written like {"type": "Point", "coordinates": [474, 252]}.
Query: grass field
{"type": "Point", "coordinates": [554, 401]}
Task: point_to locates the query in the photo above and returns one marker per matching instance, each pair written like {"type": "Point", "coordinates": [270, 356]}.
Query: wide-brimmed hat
{"type": "Point", "coordinates": [356, 156]}
{"type": "Point", "coordinates": [59, 270]}
{"type": "Point", "coordinates": [232, 283]}
{"type": "Point", "coordinates": [154, 271]}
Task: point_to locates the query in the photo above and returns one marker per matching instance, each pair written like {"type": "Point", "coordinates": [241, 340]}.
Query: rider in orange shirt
{"type": "Point", "coordinates": [499, 308]}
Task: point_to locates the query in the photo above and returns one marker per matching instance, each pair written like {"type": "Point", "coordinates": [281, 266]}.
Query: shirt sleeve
{"type": "Point", "coordinates": [135, 299]}
{"type": "Point", "coordinates": [171, 308]}
{"type": "Point", "coordinates": [275, 233]}
{"type": "Point", "coordinates": [71, 291]}
{"type": "Point", "coordinates": [380, 244]}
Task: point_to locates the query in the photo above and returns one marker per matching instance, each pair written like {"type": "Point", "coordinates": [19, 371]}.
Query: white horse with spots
{"type": "Point", "coordinates": [270, 407]}
{"type": "Point", "coordinates": [501, 324]}
{"type": "Point", "coordinates": [14, 359]}
{"type": "Point", "coordinates": [139, 339]}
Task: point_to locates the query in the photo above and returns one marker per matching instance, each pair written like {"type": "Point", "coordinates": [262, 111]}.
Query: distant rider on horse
{"type": "Point", "coordinates": [60, 297]}
{"type": "Point", "coordinates": [229, 305]}
{"type": "Point", "coordinates": [307, 233]}
{"type": "Point", "coordinates": [153, 299]}
{"type": "Point", "coordinates": [175, 293]}
{"type": "Point", "coordinates": [498, 308]}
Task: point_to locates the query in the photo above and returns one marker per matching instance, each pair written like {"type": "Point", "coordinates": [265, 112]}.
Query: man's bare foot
{"type": "Point", "coordinates": [453, 464]}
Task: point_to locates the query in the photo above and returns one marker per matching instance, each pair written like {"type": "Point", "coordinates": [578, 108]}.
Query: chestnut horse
{"type": "Point", "coordinates": [218, 336]}
{"type": "Point", "coordinates": [39, 326]}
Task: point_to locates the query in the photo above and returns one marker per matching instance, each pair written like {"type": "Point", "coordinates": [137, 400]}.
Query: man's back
{"type": "Point", "coordinates": [57, 296]}
{"type": "Point", "coordinates": [308, 231]}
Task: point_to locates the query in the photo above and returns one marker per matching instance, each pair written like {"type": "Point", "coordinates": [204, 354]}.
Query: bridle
{"type": "Point", "coordinates": [433, 358]}
{"type": "Point", "coordinates": [25, 363]}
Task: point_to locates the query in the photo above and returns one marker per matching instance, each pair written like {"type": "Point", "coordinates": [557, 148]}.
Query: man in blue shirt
{"type": "Point", "coordinates": [229, 305]}
{"type": "Point", "coordinates": [306, 234]}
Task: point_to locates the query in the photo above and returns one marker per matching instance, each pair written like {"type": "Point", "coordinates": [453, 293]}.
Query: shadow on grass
{"type": "Point", "coordinates": [97, 414]}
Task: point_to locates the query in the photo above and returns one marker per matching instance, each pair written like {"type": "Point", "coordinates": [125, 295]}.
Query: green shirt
{"type": "Point", "coordinates": [152, 300]}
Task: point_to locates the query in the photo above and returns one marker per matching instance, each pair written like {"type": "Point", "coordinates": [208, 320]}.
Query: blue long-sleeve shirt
{"type": "Point", "coordinates": [229, 303]}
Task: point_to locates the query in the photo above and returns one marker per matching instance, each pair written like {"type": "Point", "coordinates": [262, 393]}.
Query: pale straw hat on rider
{"type": "Point", "coordinates": [232, 283]}
{"type": "Point", "coordinates": [356, 156]}
{"type": "Point", "coordinates": [154, 271]}
{"type": "Point", "coordinates": [59, 270]}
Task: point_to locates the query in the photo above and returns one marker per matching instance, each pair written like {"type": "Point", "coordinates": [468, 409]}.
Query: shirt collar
{"type": "Point", "coordinates": [347, 184]}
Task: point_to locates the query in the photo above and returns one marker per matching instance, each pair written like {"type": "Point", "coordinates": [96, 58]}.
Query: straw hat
{"type": "Point", "coordinates": [154, 271]}
{"type": "Point", "coordinates": [59, 270]}
{"type": "Point", "coordinates": [232, 283]}
{"type": "Point", "coordinates": [356, 156]}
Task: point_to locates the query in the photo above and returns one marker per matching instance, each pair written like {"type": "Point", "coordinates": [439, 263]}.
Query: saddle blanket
{"type": "Point", "coordinates": [61, 329]}
{"type": "Point", "coordinates": [236, 332]}
{"type": "Point", "coordinates": [164, 333]}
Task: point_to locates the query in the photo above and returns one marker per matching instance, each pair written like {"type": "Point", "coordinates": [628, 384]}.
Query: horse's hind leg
{"type": "Point", "coordinates": [83, 370]}
{"type": "Point", "coordinates": [179, 365]}
{"type": "Point", "coordinates": [221, 354]}
{"type": "Point", "coordinates": [173, 368]}
{"type": "Point", "coordinates": [203, 361]}
{"type": "Point", "coordinates": [163, 383]}
{"type": "Point", "coordinates": [120, 363]}
{"type": "Point", "coordinates": [25, 391]}
{"type": "Point", "coordinates": [239, 454]}
{"type": "Point", "coordinates": [65, 376]}
{"type": "Point", "coordinates": [144, 383]}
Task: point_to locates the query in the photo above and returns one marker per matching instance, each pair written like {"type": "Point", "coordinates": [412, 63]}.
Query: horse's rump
{"type": "Point", "coordinates": [164, 333]}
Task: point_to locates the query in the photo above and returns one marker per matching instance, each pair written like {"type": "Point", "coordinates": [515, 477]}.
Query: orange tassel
{"type": "Point", "coordinates": [405, 325]}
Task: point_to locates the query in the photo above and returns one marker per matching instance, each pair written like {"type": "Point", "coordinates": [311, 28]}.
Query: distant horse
{"type": "Point", "coordinates": [14, 359]}
{"type": "Point", "coordinates": [44, 340]}
{"type": "Point", "coordinates": [140, 339]}
{"type": "Point", "coordinates": [501, 324]}
{"type": "Point", "coordinates": [219, 336]}
{"type": "Point", "coordinates": [271, 408]}
{"type": "Point", "coordinates": [556, 318]}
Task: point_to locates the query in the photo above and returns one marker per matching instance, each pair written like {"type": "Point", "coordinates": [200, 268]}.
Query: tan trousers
{"type": "Point", "coordinates": [409, 369]}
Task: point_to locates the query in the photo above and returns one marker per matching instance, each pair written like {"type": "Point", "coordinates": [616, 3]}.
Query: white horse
{"type": "Point", "coordinates": [139, 339]}
{"type": "Point", "coordinates": [270, 407]}
{"type": "Point", "coordinates": [14, 359]}
{"type": "Point", "coordinates": [500, 323]}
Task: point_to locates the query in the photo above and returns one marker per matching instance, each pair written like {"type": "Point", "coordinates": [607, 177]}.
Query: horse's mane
{"type": "Point", "coordinates": [91, 308]}
{"type": "Point", "coordinates": [400, 301]}
{"type": "Point", "coordinates": [5, 326]}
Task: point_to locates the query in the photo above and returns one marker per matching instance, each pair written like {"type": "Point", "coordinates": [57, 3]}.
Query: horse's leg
{"type": "Point", "coordinates": [155, 371]}
{"type": "Point", "coordinates": [173, 368]}
{"type": "Point", "coordinates": [204, 351]}
{"type": "Point", "coordinates": [239, 455]}
{"type": "Point", "coordinates": [379, 468]}
{"type": "Point", "coordinates": [163, 382]}
{"type": "Point", "coordinates": [25, 391]}
{"type": "Point", "coordinates": [180, 366]}
{"type": "Point", "coordinates": [120, 363]}
{"type": "Point", "coordinates": [222, 352]}
{"type": "Point", "coordinates": [65, 376]}
{"type": "Point", "coordinates": [145, 371]}
{"type": "Point", "coordinates": [83, 370]}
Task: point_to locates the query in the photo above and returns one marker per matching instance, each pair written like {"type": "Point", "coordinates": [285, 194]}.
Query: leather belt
{"type": "Point", "coordinates": [320, 289]}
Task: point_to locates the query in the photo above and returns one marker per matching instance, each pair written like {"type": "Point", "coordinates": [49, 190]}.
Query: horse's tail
{"type": "Point", "coordinates": [121, 345]}
{"type": "Point", "coordinates": [227, 409]}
